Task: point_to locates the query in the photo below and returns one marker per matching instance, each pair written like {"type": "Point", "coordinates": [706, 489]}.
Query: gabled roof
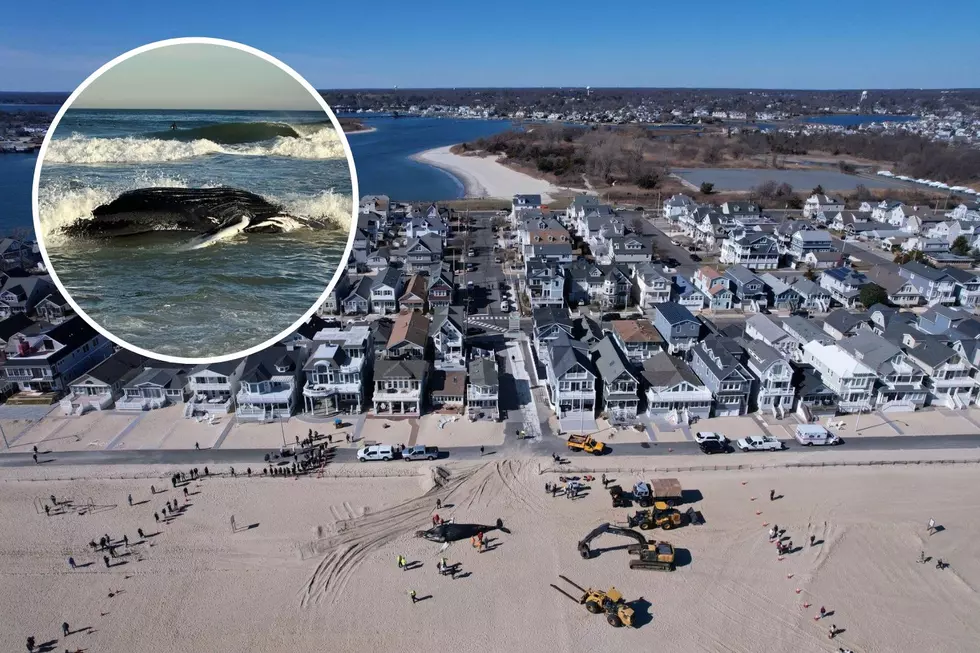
{"type": "Point", "coordinates": [871, 349]}
{"type": "Point", "coordinates": [551, 315]}
{"type": "Point", "coordinates": [270, 362]}
{"type": "Point", "coordinates": [446, 314]}
{"type": "Point", "coordinates": [845, 321]}
{"type": "Point", "coordinates": [924, 271]}
{"type": "Point", "coordinates": [721, 355]}
{"type": "Point", "coordinates": [761, 355]}
{"type": "Point", "coordinates": [400, 369]}
{"type": "Point", "coordinates": [311, 327]}
{"type": "Point", "coordinates": [113, 369]}
{"type": "Point", "coordinates": [566, 353]}
{"type": "Point", "coordinates": [389, 277]}
{"type": "Point", "coordinates": [610, 362]}
{"type": "Point", "coordinates": [161, 374]}
{"type": "Point", "coordinates": [483, 372]}
{"type": "Point", "coordinates": [362, 289]}
{"type": "Point", "coordinates": [415, 287]}
{"type": "Point", "coordinates": [411, 327]}
{"type": "Point", "coordinates": [663, 370]}
{"type": "Point", "coordinates": [741, 274]}
{"type": "Point", "coordinates": [16, 323]}
{"type": "Point", "coordinates": [932, 353]}
{"type": "Point", "coordinates": [675, 313]}
{"type": "Point", "coordinates": [766, 328]}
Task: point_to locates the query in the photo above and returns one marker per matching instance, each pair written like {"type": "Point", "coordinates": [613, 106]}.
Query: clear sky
{"type": "Point", "coordinates": [196, 76]}
{"type": "Point", "coordinates": [855, 44]}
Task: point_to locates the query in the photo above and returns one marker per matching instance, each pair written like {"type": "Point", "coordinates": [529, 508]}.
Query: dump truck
{"type": "Point", "coordinates": [586, 443]}
{"type": "Point", "coordinates": [667, 490]}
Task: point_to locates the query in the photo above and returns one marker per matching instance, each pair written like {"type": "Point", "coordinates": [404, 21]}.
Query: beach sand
{"type": "Point", "coordinates": [485, 177]}
{"type": "Point", "coordinates": [278, 586]}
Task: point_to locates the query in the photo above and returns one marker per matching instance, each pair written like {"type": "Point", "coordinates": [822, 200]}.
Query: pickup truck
{"type": "Point", "coordinates": [586, 443]}
{"type": "Point", "coordinates": [759, 443]}
{"type": "Point", "coordinates": [420, 452]}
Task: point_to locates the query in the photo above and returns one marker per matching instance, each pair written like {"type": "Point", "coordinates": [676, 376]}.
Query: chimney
{"type": "Point", "coordinates": [23, 347]}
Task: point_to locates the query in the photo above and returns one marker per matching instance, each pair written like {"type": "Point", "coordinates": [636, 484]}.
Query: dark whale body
{"type": "Point", "coordinates": [201, 211]}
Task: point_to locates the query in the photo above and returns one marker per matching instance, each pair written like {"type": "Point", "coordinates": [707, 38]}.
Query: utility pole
{"type": "Point", "coordinates": [6, 444]}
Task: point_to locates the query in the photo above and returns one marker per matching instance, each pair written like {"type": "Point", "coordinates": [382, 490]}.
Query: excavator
{"type": "Point", "coordinates": [647, 555]}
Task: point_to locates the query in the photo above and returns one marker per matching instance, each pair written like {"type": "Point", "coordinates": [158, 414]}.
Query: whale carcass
{"type": "Point", "coordinates": [202, 211]}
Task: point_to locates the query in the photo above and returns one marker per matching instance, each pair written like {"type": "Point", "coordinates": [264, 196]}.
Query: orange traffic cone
{"type": "Point", "coordinates": [805, 605]}
{"type": "Point", "coordinates": [798, 590]}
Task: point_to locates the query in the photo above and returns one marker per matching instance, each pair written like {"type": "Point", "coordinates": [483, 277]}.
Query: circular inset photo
{"type": "Point", "coordinates": [193, 200]}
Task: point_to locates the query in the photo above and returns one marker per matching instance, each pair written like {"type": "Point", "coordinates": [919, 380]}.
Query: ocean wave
{"type": "Point", "coordinates": [236, 133]}
{"type": "Point", "coordinates": [77, 149]}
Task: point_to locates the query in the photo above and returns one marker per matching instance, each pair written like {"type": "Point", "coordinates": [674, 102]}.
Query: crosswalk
{"type": "Point", "coordinates": [494, 323]}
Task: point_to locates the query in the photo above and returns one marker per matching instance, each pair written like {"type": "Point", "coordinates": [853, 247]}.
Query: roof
{"type": "Point", "coordinates": [609, 361]}
{"type": "Point", "coordinates": [932, 353]}
{"type": "Point", "coordinates": [270, 362]}
{"type": "Point", "coordinates": [362, 289]}
{"type": "Point", "coordinates": [448, 383]}
{"type": "Point", "coordinates": [924, 271]}
{"type": "Point", "coordinates": [741, 274]}
{"type": "Point", "coordinates": [483, 372]}
{"type": "Point", "coordinates": [836, 359]}
{"type": "Point", "coordinates": [720, 354]}
{"type": "Point", "coordinates": [389, 277]}
{"type": "Point", "coordinates": [16, 323]}
{"type": "Point", "coordinates": [871, 349]}
{"type": "Point", "coordinates": [399, 369]}
{"type": "Point", "coordinates": [813, 236]}
{"type": "Point", "coordinates": [411, 327]}
{"type": "Point", "coordinates": [117, 366]}
{"type": "Point", "coordinates": [566, 353]}
{"type": "Point", "coordinates": [844, 321]}
{"type": "Point", "coordinates": [311, 327]}
{"type": "Point", "coordinates": [416, 286]}
{"type": "Point", "coordinates": [805, 330]}
{"type": "Point", "coordinates": [663, 370]}
{"type": "Point", "coordinates": [551, 315]}
{"type": "Point", "coordinates": [767, 329]}
{"type": "Point", "coordinates": [443, 314]}
{"type": "Point", "coordinates": [761, 355]}
{"type": "Point", "coordinates": [962, 276]}
{"type": "Point", "coordinates": [71, 334]}
{"type": "Point", "coordinates": [636, 331]}
{"type": "Point", "coordinates": [674, 313]}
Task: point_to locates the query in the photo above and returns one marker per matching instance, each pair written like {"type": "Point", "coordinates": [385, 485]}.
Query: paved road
{"type": "Point", "coordinates": [512, 448]}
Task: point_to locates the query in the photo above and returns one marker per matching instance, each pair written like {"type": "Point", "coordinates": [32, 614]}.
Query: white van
{"type": "Point", "coordinates": [383, 452]}
{"type": "Point", "coordinates": [811, 434]}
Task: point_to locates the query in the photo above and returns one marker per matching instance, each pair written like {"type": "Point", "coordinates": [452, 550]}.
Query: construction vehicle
{"type": "Point", "coordinates": [665, 490]}
{"type": "Point", "coordinates": [663, 516]}
{"type": "Point", "coordinates": [648, 555]}
{"type": "Point", "coordinates": [620, 499]}
{"type": "Point", "coordinates": [586, 443]}
{"type": "Point", "coordinates": [618, 612]}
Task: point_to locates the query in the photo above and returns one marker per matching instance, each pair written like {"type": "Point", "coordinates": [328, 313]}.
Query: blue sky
{"type": "Point", "coordinates": [54, 45]}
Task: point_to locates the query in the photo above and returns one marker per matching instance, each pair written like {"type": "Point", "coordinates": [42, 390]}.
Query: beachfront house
{"type": "Point", "coordinates": [337, 371]}
{"type": "Point", "coordinates": [99, 388]}
{"type": "Point", "coordinates": [761, 327]}
{"type": "Point", "coordinates": [447, 389]}
{"type": "Point", "coordinates": [571, 379]}
{"type": "Point", "coordinates": [522, 204]}
{"type": "Point", "coordinates": [716, 362]}
{"type": "Point", "coordinates": [772, 388]}
{"type": "Point", "coordinates": [409, 337]}
{"type": "Point", "coordinates": [399, 387]}
{"type": "Point", "coordinates": [385, 290]}
{"type": "Point", "coordinates": [46, 359]}
{"type": "Point", "coordinates": [948, 374]}
{"type": "Point", "coordinates": [619, 383]}
{"type": "Point", "coordinates": [850, 380]}
{"type": "Point", "coordinates": [483, 389]}
{"type": "Point", "coordinates": [900, 382]}
{"type": "Point", "coordinates": [270, 385]}
{"type": "Point", "coordinates": [158, 384]}
{"type": "Point", "coordinates": [212, 387]}
{"type": "Point", "coordinates": [674, 392]}
{"type": "Point", "coordinates": [53, 309]}
{"type": "Point", "coordinates": [678, 327]}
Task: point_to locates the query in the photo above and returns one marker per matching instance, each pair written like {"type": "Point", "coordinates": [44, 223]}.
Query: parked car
{"type": "Point", "coordinates": [475, 331]}
{"type": "Point", "coordinates": [714, 446]}
{"type": "Point", "coordinates": [383, 452]}
{"type": "Point", "coordinates": [695, 258]}
{"type": "Point", "coordinates": [505, 306]}
{"type": "Point", "coordinates": [705, 436]}
{"type": "Point", "coordinates": [760, 443]}
{"type": "Point", "coordinates": [420, 452]}
{"type": "Point", "coordinates": [675, 243]}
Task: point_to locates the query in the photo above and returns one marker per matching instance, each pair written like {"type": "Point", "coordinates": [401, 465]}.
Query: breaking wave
{"type": "Point", "coordinates": [234, 133]}
{"type": "Point", "coordinates": [318, 143]}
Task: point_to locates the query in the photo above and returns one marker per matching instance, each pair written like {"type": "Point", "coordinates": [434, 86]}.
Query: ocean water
{"type": "Point", "coordinates": [153, 290]}
{"type": "Point", "coordinates": [382, 156]}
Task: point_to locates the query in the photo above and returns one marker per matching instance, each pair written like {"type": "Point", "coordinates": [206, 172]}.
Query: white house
{"type": "Point", "coordinates": [270, 385]}
{"type": "Point", "coordinates": [821, 203]}
{"type": "Point", "coordinates": [851, 380]}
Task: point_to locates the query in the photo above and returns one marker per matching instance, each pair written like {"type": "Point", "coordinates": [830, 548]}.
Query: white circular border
{"type": "Point", "coordinates": [341, 265]}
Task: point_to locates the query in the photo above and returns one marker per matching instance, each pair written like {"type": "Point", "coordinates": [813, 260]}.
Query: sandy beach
{"type": "Point", "coordinates": [276, 584]}
{"type": "Point", "coordinates": [485, 177]}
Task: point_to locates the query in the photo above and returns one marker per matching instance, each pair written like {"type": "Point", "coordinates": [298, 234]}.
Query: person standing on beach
{"type": "Point", "coordinates": [65, 629]}
{"type": "Point", "coordinates": [772, 495]}
{"type": "Point", "coordinates": [35, 458]}
{"type": "Point", "coordinates": [105, 559]}
{"type": "Point", "coordinates": [833, 631]}
{"type": "Point", "coordinates": [139, 531]}
{"type": "Point", "coordinates": [411, 593]}
{"type": "Point", "coordinates": [156, 516]}
{"type": "Point", "coordinates": [813, 538]}
{"type": "Point", "coordinates": [71, 562]}
{"type": "Point", "coordinates": [47, 510]}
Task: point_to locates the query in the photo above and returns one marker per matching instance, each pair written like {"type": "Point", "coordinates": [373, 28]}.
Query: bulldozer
{"type": "Point", "coordinates": [618, 612]}
{"type": "Point", "coordinates": [653, 555]}
{"type": "Point", "coordinates": [659, 516]}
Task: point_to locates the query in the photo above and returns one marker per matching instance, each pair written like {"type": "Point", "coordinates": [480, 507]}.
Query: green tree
{"type": "Point", "coordinates": [872, 294]}
{"type": "Point", "coordinates": [810, 274]}
{"type": "Point", "coordinates": [818, 190]}
{"type": "Point", "coordinates": [961, 246]}
{"type": "Point", "coordinates": [707, 188]}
